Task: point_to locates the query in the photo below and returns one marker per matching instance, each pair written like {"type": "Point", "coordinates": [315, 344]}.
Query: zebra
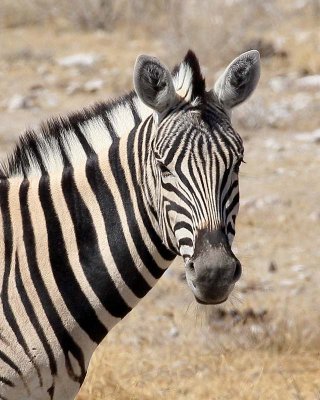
{"type": "Point", "coordinates": [95, 206]}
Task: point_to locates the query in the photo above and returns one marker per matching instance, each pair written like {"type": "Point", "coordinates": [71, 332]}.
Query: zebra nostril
{"type": "Point", "coordinates": [190, 267]}
{"type": "Point", "coordinates": [237, 272]}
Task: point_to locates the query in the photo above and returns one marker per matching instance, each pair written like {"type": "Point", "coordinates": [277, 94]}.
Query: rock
{"type": "Point", "coordinates": [261, 203]}
{"type": "Point", "coordinates": [273, 144]}
{"type": "Point", "coordinates": [18, 101]}
{"type": "Point", "coordinates": [279, 83]}
{"type": "Point", "coordinates": [308, 137]}
{"type": "Point", "coordinates": [174, 332]}
{"type": "Point", "coordinates": [73, 88]}
{"type": "Point", "coordinates": [304, 277]}
{"type": "Point", "coordinates": [252, 114]}
{"type": "Point", "coordinates": [287, 283]}
{"type": "Point", "coordinates": [49, 99]}
{"type": "Point", "coordinates": [93, 85]}
{"type": "Point", "coordinates": [78, 60]}
{"type": "Point", "coordinates": [272, 267]}
{"type": "Point", "coordinates": [256, 329]}
{"type": "Point", "coordinates": [300, 102]}
{"type": "Point", "coordinates": [277, 113]}
{"type": "Point", "coordinates": [298, 267]}
{"type": "Point", "coordinates": [315, 216]}
{"type": "Point", "coordinates": [282, 111]}
{"type": "Point", "coordinates": [309, 82]}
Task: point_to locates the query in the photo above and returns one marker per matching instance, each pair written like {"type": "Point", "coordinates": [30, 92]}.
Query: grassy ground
{"type": "Point", "coordinates": [264, 343]}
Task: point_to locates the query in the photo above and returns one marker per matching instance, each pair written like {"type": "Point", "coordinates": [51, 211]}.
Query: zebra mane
{"type": "Point", "coordinates": [43, 150]}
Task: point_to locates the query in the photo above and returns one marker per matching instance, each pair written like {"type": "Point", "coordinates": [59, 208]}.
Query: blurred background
{"type": "Point", "coordinates": [264, 343]}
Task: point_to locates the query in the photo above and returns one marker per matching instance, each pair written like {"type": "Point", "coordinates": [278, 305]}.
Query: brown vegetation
{"type": "Point", "coordinates": [264, 343]}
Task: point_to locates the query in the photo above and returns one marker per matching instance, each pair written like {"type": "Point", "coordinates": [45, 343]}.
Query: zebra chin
{"type": "Point", "coordinates": [213, 269]}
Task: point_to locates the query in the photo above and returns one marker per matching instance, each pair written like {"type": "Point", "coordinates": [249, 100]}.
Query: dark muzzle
{"type": "Point", "coordinates": [213, 269]}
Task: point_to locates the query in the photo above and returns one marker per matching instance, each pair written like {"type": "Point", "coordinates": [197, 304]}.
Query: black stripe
{"type": "Point", "coordinates": [230, 229]}
{"type": "Point", "coordinates": [90, 256]}
{"type": "Point", "coordinates": [224, 182]}
{"type": "Point", "coordinates": [25, 298]}
{"type": "Point", "coordinates": [61, 145]}
{"type": "Point", "coordinates": [108, 124]}
{"type": "Point", "coordinates": [192, 166]}
{"type": "Point", "coordinates": [83, 141]}
{"type": "Point", "coordinates": [9, 362]}
{"type": "Point", "coordinates": [70, 290]}
{"type": "Point", "coordinates": [136, 116]}
{"type": "Point", "coordinates": [228, 194]}
{"type": "Point", "coordinates": [119, 176]}
{"type": "Point", "coordinates": [169, 187]}
{"type": "Point", "coordinates": [34, 321]}
{"type": "Point", "coordinates": [117, 241]}
{"type": "Point", "coordinates": [6, 381]}
{"type": "Point", "coordinates": [13, 366]}
{"type": "Point", "coordinates": [156, 240]}
{"type": "Point", "coordinates": [186, 242]}
{"type": "Point", "coordinates": [232, 205]}
{"type": "Point", "coordinates": [172, 206]}
{"type": "Point", "coordinates": [183, 225]}
{"type": "Point", "coordinates": [8, 256]}
{"type": "Point", "coordinates": [66, 341]}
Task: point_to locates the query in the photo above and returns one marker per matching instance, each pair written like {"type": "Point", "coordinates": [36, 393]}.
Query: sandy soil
{"type": "Point", "coordinates": [264, 343]}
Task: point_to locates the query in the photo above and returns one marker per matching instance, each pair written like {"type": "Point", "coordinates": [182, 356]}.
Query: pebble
{"type": "Point", "coordinates": [173, 332]}
{"type": "Point", "coordinates": [18, 101]}
{"type": "Point", "coordinates": [279, 83]}
{"type": "Point", "coordinates": [315, 216]}
{"type": "Point", "coordinates": [261, 203]}
{"type": "Point", "coordinates": [298, 267]}
{"type": "Point", "coordinates": [78, 60]}
{"type": "Point", "coordinates": [272, 267]}
{"type": "Point", "coordinates": [93, 85]}
{"type": "Point", "coordinates": [310, 81]}
{"type": "Point", "coordinates": [287, 283]}
{"type": "Point", "coordinates": [308, 137]}
{"type": "Point", "coordinates": [273, 144]}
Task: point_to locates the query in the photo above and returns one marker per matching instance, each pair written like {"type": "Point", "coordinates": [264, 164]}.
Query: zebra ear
{"type": "Point", "coordinates": [153, 83]}
{"type": "Point", "coordinates": [239, 79]}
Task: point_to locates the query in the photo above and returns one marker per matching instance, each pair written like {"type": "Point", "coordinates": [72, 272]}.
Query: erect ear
{"type": "Point", "coordinates": [238, 80]}
{"type": "Point", "coordinates": [153, 83]}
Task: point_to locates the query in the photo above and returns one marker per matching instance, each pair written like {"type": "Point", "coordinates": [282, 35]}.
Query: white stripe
{"type": "Point", "coordinates": [96, 134]}
{"type": "Point", "coordinates": [143, 110]}
{"type": "Point", "coordinates": [122, 119]}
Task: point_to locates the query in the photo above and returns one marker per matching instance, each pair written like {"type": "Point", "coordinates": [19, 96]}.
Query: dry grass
{"type": "Point", "coordinates": [265, 342]}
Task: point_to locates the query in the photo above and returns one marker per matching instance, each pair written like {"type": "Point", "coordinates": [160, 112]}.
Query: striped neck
{"type": "Point", "coordinates": [84, 244]}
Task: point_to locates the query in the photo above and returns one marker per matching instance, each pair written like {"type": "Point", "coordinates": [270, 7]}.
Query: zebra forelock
{"type": "Point", "coordinates": [187, 78]}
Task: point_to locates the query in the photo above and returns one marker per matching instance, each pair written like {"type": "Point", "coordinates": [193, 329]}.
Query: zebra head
{"type": "Point", "coordinates": [195, 155]}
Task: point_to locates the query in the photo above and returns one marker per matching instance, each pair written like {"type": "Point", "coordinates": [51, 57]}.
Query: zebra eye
{"type": "Point", "coordinates": [164, 170]}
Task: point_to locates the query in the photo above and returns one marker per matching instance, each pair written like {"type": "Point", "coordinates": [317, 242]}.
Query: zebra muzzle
{"type": "Point", "coordinates": [213, 269]}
